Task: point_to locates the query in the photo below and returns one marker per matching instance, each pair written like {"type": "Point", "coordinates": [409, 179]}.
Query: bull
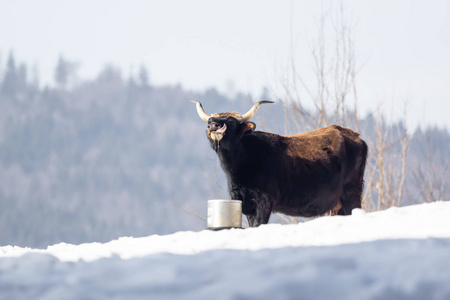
{"type": "Point", "coordinates": [307, 174]}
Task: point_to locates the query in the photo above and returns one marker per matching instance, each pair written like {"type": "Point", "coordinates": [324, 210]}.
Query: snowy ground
{"type": "Point", "coordinates": [400, 253]}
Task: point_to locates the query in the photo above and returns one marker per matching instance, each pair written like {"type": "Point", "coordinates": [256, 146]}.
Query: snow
{"type": "Point", "coordinates": [399, 253]}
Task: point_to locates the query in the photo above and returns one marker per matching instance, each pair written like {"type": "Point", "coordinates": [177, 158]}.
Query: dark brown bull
{"type": "Point", "coordinates": [308, 174]}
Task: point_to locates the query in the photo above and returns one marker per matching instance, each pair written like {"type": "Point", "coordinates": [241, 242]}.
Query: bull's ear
{"type": "Point", "coordinates": [248, 127]}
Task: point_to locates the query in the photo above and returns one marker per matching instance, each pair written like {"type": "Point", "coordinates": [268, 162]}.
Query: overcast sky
{"type": "Point", "coordinates": [403, 46]}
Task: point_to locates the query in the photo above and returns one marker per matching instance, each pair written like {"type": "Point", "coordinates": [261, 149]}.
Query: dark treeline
{"type": "Point", "coordinates": [108, 157]}
{"type": "Point", "coordinates": [115, 156]}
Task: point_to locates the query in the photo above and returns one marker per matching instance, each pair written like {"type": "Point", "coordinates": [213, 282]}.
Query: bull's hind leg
{"type": "Point", "coordinates": [351, 197]}
{"type": "Point", "coordinates": [335, 210]}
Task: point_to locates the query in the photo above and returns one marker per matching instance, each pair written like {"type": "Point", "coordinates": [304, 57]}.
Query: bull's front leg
{"type": "Point", "coordinates": [251, 220]}
{"type": "Point", "coordinates": [249, 210]}
{"type": "Point", "coordinates": [256, 205]}
{"type": "Point", "coordinates": [262, 210]}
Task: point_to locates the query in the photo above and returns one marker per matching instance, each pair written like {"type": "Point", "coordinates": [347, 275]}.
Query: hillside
{"type": "Point", "coordinates": [114, 156]}
{"type": "Point", "coordinates": [400, 253]}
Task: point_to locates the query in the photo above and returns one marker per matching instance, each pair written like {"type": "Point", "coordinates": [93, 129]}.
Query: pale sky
{"type": "Point", "coordinates": [403, 46]}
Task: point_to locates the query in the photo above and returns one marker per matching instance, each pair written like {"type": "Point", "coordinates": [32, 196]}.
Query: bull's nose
{"type": "Point", "coordinates": [213, 126]}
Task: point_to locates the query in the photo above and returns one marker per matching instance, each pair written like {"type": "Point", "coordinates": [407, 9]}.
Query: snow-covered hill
{"type": "Point", "coordinates": [400, 253]}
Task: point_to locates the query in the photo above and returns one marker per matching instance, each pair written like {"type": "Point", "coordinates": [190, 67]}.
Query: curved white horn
{"type": "Point", "coordinates": [204, 116]}
{"type": "Point", "coordinates": [248, 115]}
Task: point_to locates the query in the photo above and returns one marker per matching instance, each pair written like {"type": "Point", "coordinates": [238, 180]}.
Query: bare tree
{"type": "Point", "coordinates": [431, 177]}
{"type": "Point", "coordinates": [333, 96]}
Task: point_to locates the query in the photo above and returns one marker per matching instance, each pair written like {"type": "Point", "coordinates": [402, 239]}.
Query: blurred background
{"type": "Point", "coordinates": [98, 138]}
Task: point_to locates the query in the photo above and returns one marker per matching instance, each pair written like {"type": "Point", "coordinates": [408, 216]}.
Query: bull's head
{"type": "Point", "coordinates": [227, 127]}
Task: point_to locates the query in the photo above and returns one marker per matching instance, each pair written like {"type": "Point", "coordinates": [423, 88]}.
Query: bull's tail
{"type": "Point", "coordinates": [360, 181]}
{"type": "Point", "coordinates": [362, 166]}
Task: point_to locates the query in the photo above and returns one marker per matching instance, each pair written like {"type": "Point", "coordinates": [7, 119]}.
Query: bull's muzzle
{"type": "Point", "coordinates": [218, 134]}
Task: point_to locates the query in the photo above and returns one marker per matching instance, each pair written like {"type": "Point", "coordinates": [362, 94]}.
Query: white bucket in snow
{"type": "Point", "coordinates": [224, 214]}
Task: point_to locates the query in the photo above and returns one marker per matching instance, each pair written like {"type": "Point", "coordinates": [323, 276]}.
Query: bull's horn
{"type": "Point", "coordinates": [205, 117]}
{"type": "Point", "coordinates": [248, 115]}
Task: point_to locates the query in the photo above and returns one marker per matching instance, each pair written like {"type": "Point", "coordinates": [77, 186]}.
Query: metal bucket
{"type": "Point", "coordinates": [224, 214]}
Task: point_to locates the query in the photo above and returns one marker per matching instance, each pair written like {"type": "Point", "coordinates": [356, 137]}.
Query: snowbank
{"type": "Point", "coordinates": [400, 253]}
